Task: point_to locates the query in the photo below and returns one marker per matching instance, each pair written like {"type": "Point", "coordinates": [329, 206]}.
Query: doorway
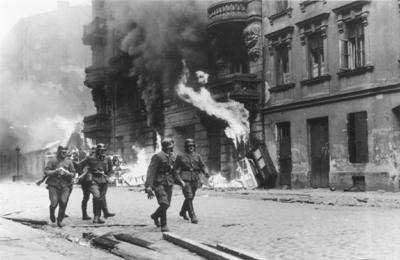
{"type": "Point", "coordinates": [285, 154]}
{"type": "Point", "coordinates": [319, 152]}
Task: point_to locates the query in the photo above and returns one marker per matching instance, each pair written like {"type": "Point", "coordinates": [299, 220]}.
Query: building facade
{"type": "Point", "coordinates": [121, 118]}
{"type": "Point", "coordinates": [333, 116]}
{"type": "Point", "coordinates": [320, 79]}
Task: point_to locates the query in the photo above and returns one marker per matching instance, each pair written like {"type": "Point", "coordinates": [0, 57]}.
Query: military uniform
{"type": "Point", "coordinates": [189, 166]}
{"type": "Point", "coordinates": [59, 186]}
{"type": "Point", "coordinates": [161, 178]}
{"type": "Point", "coordinates": [99, 170]}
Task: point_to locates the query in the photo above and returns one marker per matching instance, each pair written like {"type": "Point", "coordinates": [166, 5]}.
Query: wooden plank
{"type": "Point", "coordinates": [108, 225]}
{"type": "Point", "coordinates": [104, 242]}
{"type": "Point", "coordinates": [28, 221]}
{"type": "Point", "coordinates": [243, 254]}
{"type": "Point", "coordinates": [197, 247]}
{"type": "Point", "coordinates": [134, 240]}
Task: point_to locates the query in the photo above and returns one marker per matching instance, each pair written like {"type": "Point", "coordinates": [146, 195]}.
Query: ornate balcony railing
{"type": "Point", "coordinates": [241, 87]}
{"type": "Point", "coordinates": [227, 11]}
{"type": "Point", "coordinates": [95, 76]}
{"type": "Point", "coordinates": [96, 124]}
{"type": "Point", "coordinates": [95, 32]}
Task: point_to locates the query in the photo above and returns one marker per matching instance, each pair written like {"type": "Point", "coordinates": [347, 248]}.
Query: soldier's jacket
{"type": "Point", "coordinates": [99, 169]}
{"type": "Point", "coordinates": [58, 180]}
{"type": "Point", "coordinates": [160, 171]}
{"type": "Point", "coordinates": [189, 166]}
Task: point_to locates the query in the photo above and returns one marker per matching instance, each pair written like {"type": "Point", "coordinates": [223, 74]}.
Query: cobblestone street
{"type": "Point", "coordinates": [271, 229]}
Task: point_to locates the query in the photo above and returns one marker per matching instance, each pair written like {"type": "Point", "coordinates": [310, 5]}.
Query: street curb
{"type": "Point", "coordinates": [198, 248]}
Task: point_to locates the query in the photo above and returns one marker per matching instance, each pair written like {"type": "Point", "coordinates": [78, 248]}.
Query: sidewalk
{"type": "Point", "coordinates": [18, 241]}
{"type": "Point", "coordinates": [380, 199]}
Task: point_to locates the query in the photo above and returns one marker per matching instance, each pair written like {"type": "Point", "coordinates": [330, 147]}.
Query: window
{"type": "Point", "coordinates": [281, 5]}
{"type": "Point", "coordinates": [315, 55]}
{"type": "Point", "coordinates": [282, 64]}
{"type": "Point", "coordinates": [358, 137]}
{"type": "Point", "coordinates": [352, 47]}
{"type": "Point", "coordinates": [279, 46]}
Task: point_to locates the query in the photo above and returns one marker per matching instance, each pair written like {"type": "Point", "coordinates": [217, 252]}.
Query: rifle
{"type": "Point", "coordinates": [41, 180]}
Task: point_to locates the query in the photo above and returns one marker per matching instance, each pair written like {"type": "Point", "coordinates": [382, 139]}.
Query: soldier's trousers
{"type": "Point", "coordinates": [189, 192]}
{"type": "Point", "coordinates": [86, 195]}
{"type": "Point", "coordinates": [98, 191]}
{"type": "Point", "coordinates": [163, 195]}
{"type": "Point", "coordinates": [59, 196]}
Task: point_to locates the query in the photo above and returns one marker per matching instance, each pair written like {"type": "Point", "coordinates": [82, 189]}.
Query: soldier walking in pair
{"type": "Point", "coordinates": [160, 180]}
{"type": "Point", "coordinates": [189, 166]}
{"type": "Point", "coordinates": [99, 169]}
{"type": "Point", "coordinates": [59, 172]}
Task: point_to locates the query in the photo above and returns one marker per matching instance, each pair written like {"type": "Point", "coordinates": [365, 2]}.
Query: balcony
{"type": "Point", "coordinates": [95, 76]}
{"type": "Point", "coordinates": [230, 11]}
{"type": "Point", "coordinates": [241, 87]}
{"type": "Point", "coordinates": [96, 126]}
{"type": "Point", "coordinates": [95, 32]}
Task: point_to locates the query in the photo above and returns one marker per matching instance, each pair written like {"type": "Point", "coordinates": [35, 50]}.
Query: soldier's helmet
{"type": "Point", "coordinates": [101, 147]}
{"type": "Point", "coordinates": [167, 143]}
{"type": "Point", "coordinates": [61, 148]}
{"type": "Point", "coordinates": [189, 142]}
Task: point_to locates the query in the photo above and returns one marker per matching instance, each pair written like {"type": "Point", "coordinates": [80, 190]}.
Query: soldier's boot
{"type": "Point", "coordinates": [60, 217]}
{"type": "Point", "coordinates": [52, 214]}
{"type": "Point", "coordinates": [163, 217]}
{"type": "Point", "coordinates": [155, 216]}
{"type": "Point", "coordinates": [104, 207]}
{"type": "Point", "coordinates": [192, 215]}
{"type": "Point", "coordinates": [107, 214]}
{"type": "Point", "coordinates": [85, 216]}
{"type": "Point", "coordinates": [184, 208]}
{"type": "Point", "coordinates": [97, 220]}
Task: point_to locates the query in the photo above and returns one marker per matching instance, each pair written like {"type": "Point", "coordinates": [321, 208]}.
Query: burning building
{"type": "Point", "coordinates": [315, 83]}
{"type": "Point", "coordinates": [144, 52]}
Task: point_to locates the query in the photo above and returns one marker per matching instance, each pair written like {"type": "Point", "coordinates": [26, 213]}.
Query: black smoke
{"type": "Point", "coordinates": [159, 35]}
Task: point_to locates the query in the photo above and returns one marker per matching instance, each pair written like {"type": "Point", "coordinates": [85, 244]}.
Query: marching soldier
{"type": "Point", "coordinates": [160, 179]}
{"type": "Point", "coordinates": [60, 172]}
{"type": "Point", "coordinates": [85, 180]}
{"type": "Point", "coordinates": [99, 168]}
{"type": "Point", "coordinates": [189, 166]}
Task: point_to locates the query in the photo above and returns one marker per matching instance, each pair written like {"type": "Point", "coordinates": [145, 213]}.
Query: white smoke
{"type": "Point", "coordinates": [232, 112]}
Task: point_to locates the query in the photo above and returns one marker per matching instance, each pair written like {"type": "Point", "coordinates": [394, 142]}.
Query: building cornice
{"type": "Point", "coordinates": [395, 88]}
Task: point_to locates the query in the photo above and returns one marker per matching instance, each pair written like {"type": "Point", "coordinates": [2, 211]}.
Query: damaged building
{"type": "Point", "coordinates": [320, 80]}
{"type": "Point", "coordinates": [132, 108]}
{"type": "Point", "coordinates": [333, 117]}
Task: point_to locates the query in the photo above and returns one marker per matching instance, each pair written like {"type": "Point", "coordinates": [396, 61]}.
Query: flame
{"type": "Point", "coordinates": [136, 173]}
{"type": "Point", "coordinates": [158, 145]}
{"type": "Point", "coordinates": [232, 112]}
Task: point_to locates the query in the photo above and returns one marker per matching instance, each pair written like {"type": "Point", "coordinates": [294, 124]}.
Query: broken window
{"type": "Point", "coordinates": [352, 47]}
{"type": "Point", "coordinates": [282, 64]}
{"type": "Point", "coordinates": [281, 5]}
{"type": "Point", "coordinates": [316, 66]}
{"type": "Point", "coordinates": [358, 137]}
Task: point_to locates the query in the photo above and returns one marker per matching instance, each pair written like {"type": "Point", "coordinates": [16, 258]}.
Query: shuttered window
{"type": "Point", "coordinates": [358, 137]}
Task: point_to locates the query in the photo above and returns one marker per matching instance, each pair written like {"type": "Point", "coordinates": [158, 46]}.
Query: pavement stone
{"type": "Point", "coordinates": [241, 219]}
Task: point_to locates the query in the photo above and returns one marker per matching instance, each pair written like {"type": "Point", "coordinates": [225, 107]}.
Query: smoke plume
{"type": "Point", "coordinates": [41, 75]}
{"type": "Point", "coordinates": [158, 34]}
